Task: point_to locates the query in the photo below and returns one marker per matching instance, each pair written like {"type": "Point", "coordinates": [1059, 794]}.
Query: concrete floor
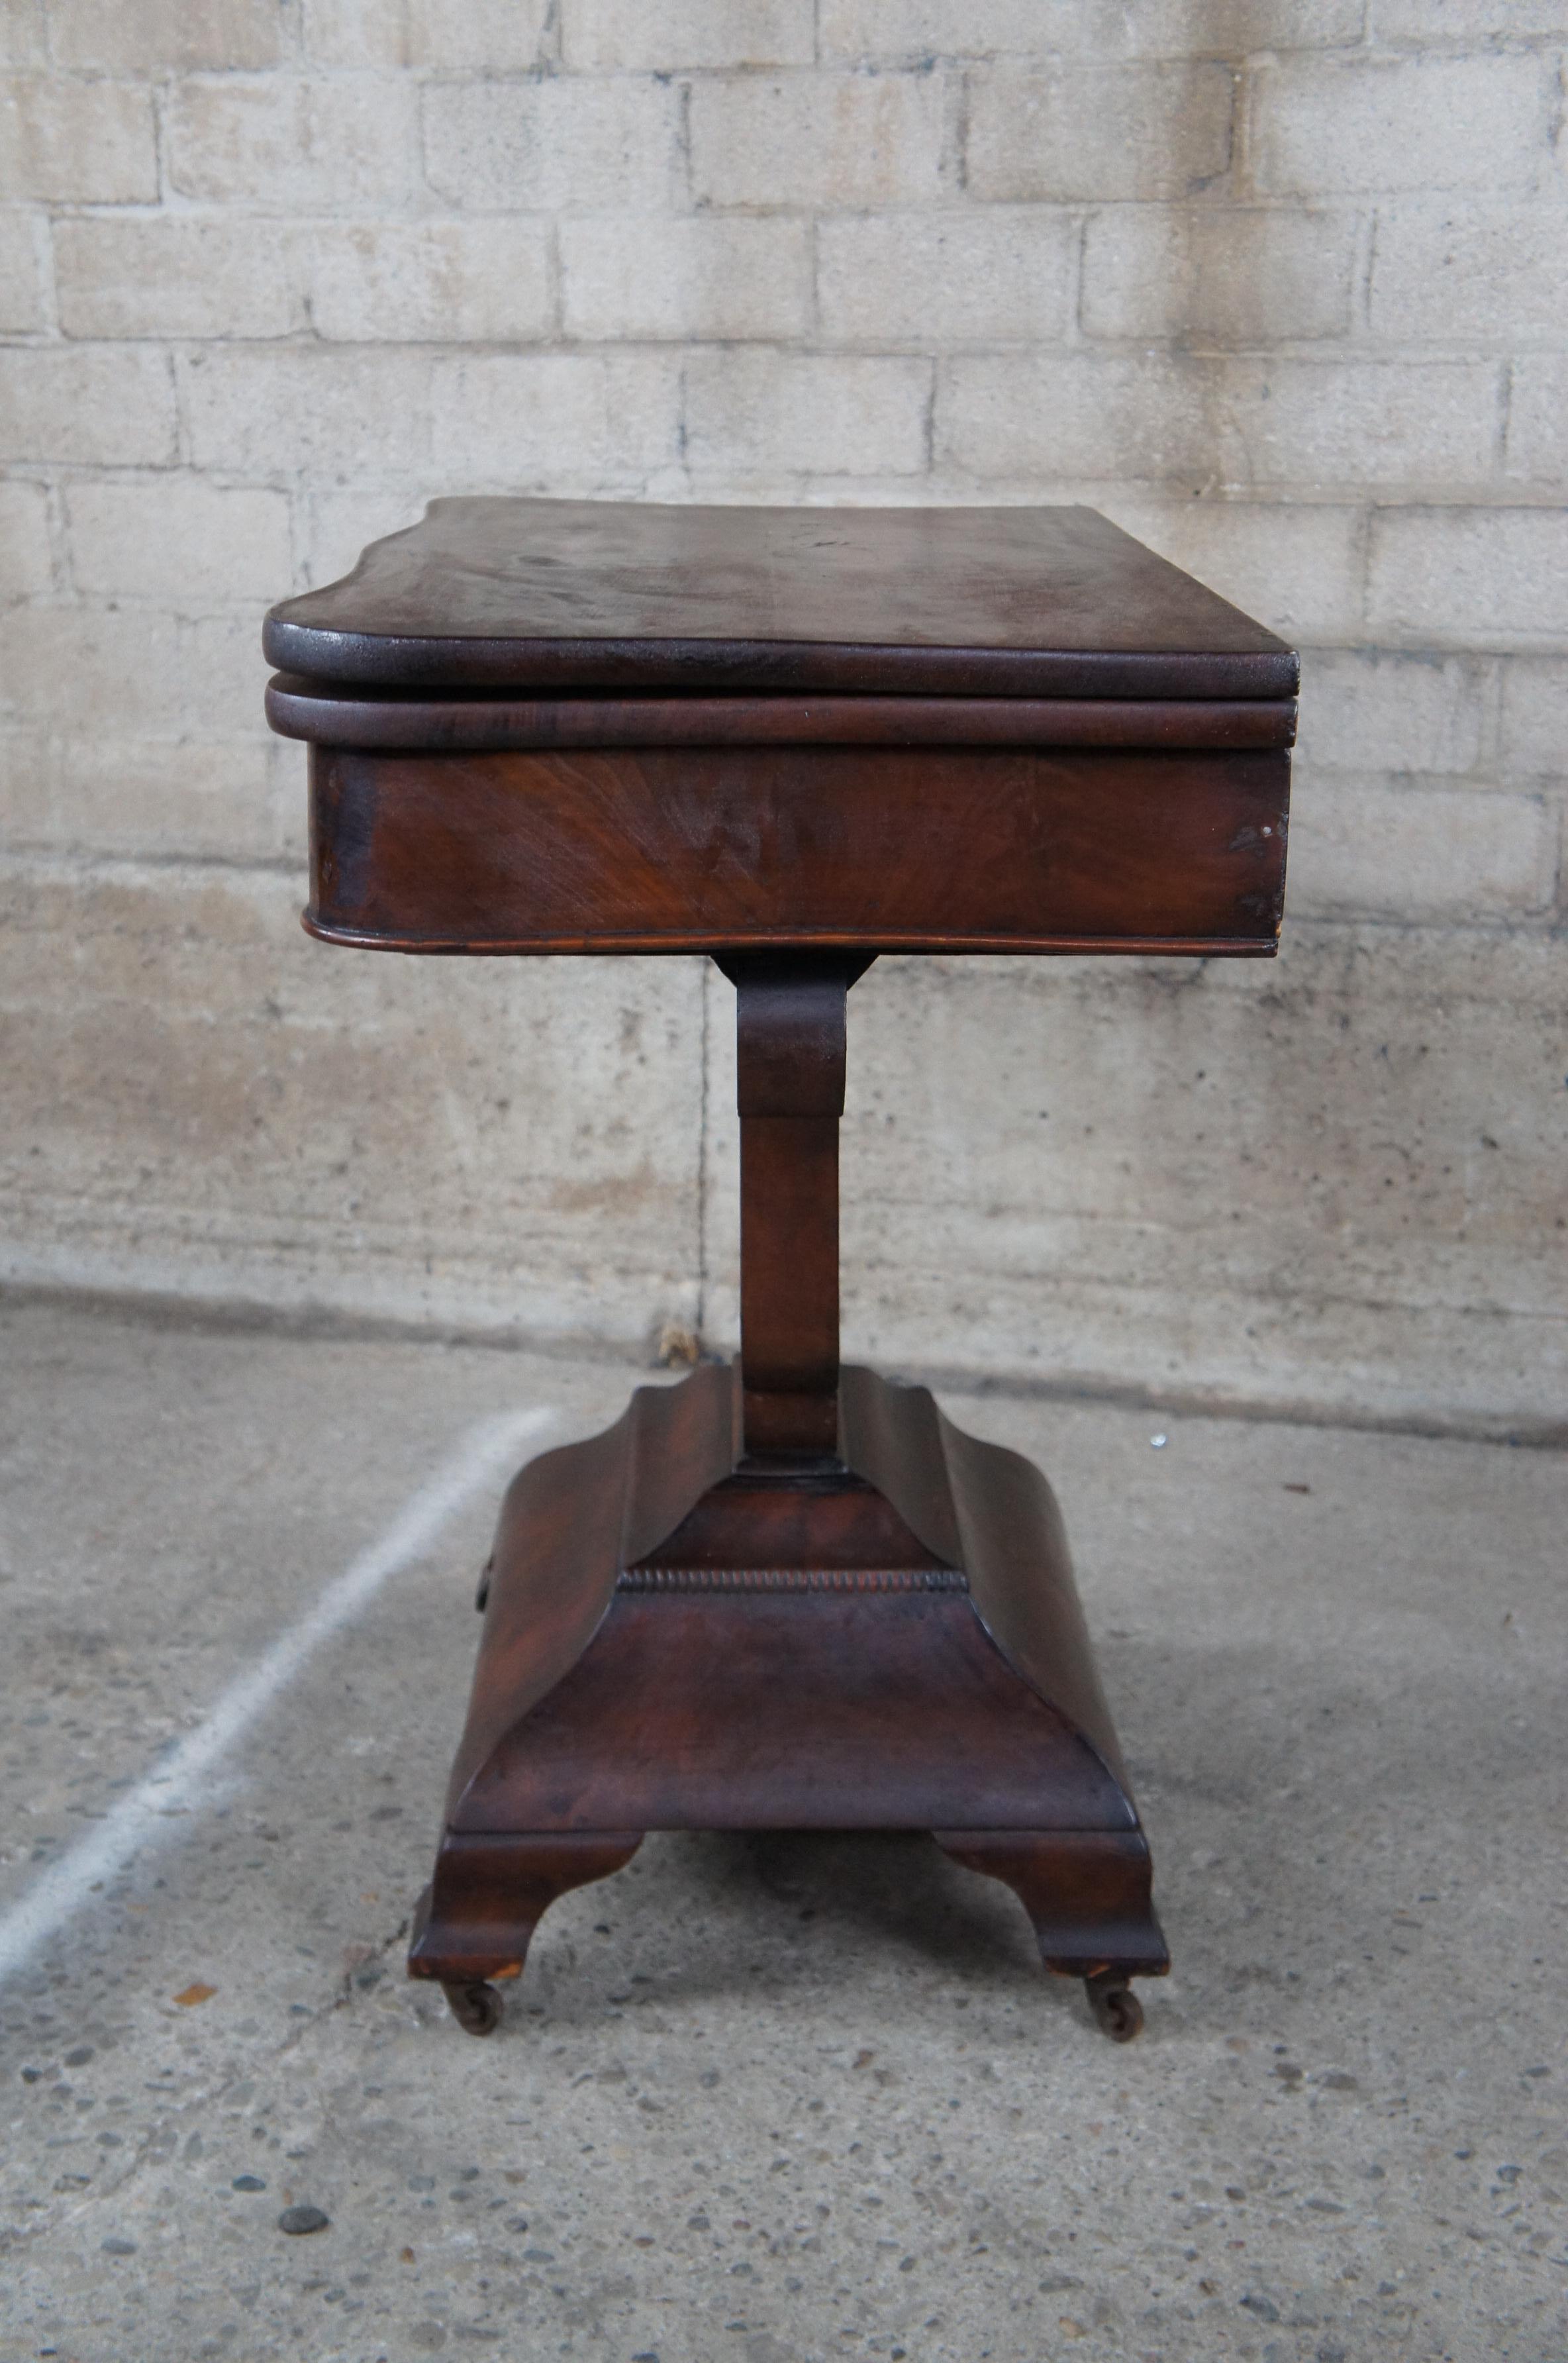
{"type": "Point", "coordinates": [781, 2097]}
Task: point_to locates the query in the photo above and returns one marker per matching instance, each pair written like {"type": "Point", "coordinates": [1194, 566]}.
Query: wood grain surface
{"type": "Point", "coordinates": [615, 1692]}
{"type": "Point", "coordinates": [551, 596]}
{"type": "Point", "coordinates": [716, 849]}
{"type": "Point", "coordinates": [889, 1640]}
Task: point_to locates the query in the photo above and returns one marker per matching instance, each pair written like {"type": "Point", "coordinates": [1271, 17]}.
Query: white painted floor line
{"type": "Point", "coordinates": [184, 1777]}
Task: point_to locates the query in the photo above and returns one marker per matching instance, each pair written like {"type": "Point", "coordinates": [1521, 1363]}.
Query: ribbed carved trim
{"type": "Point", "coordinates": [792, 1579]}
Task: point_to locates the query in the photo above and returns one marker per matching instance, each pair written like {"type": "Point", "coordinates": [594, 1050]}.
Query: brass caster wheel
{"type": "Point", "coordinates": [476, 2008]}
{"type": "Point", "coordinates": [1117, 2009]}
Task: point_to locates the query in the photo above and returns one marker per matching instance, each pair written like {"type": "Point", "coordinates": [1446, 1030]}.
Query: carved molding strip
{"type": "Point", "coordinates": [792, 1579]}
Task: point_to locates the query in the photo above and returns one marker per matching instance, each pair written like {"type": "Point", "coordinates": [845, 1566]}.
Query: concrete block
{"type": "Point", "coordinates": [1538, 420]}
{"type": "Point", "coordinates": [1373, 710]}
{"type": "Point", "coordinates": [1465, 20]}
{"type": "Point", "coordinates": [1326, 423]}
{"type": "Point", "coordinates": [701, 275]}
{"type": "Point", "coordinates": [90, 143]}
{"type": "Point", "coordinates": [356, 33]}
{"type": "Point", "coordinates": [1088, 131]}
{"type": "Point", "coordinates": [143, 36]}
{"type": "Point", "coordinates": [402, 1136]}
{"type": "Point", "coordinates": [67, 668]}
{"type": "Point", "coordinates": [1296, 569]}
{"type": "Point", "coordinates": [175, 275]}
{"type": "Point", "coordinates": [221, 800]}
{"type": "Point", "coordinates": [554, 422]}
{"type": "Point", "coordinates": [1462, 855]}
{"type": "Point", "coordinates": [811, 412]}
{"type": "Point", "coordinates": [1242, 275]}
{"type": "Point", "coordinates": [1535, 717]}
{"type": "Point", "coordinates": [90, 405]}
{"type": "Point", "coordinates": [1298, 1140]}
{"type": "Point", "coordinates": [998, 274]}
{"type": "Point", "coordinates": [625, 35]}
{"type": "Point", "coordinates": [27, 568]}
{"type": "Point", "coordinates": [310, 145]}
{"type": "Point", "coordinates": [477, 35]}
{"type": "Point", "coordinates": [22, 39]}
{"type": "Point", "coordinates": [178, 541]}
{"type": "Point", "coordinates": [554, 146]}
{"type": "Point", "coordinates": [292, 413]}
{"type": "Point", "coordinates": [159, 676]}
{"type": "Point", "coordinates": [1487, 578]}
{"type": "Point", "coordinates": [1056, 414]}
{"type": "Point", "coordinates": [907, 31]}
{"type": "Point", "coordinates": [225, 673]}
{"type": "Point", "coordinates": [817, 140]}
{"type": "Point", "coordinates": [1326, 127]}
{"type": "Point", "coordinates": [21, 291]}
{"type": "Point", "coordinates": [1233, 29]}
{"type": "Point", "coordinates": [453, 282]}
{"type": "Point", "coordinates": [27, 764]}
{"type": "Point", "coordinates": [1451, 269]}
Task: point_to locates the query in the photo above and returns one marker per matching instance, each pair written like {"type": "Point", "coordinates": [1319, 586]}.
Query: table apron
{"type": "Point", "coordinates": [714, 848]}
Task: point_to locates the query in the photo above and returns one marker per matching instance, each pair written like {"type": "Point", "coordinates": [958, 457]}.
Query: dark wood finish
{"type": "Point", "coordinates": [570, 1521]}
{"type": "Point", "coordinates": [707, 848]}
{"type": "Point", "coordinates": [551, 595]}
{"type": "Point", "coordinates": [770, 1516]}
{"type": "Point", "coordinates": [404, 721]}
{"type": "Point", "coordinates": [867, 1703]}
{"type": "Point", "coordinates": [790, 1042]}
{"type": "Point", "coordinates": [490, 1894]}
{"type": "Point", "coordinates": [1087, 1895]}
{"type": "Point", "coordinates": [802, 1647]}
{"type": "Point", "coordinates": [792, 1594]}
{"type": "Point", "coordinates": [992, 1513]}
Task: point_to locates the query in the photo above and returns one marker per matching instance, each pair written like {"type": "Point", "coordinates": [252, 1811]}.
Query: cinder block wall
{"type": "Point", "coordinates": [1282, 285]}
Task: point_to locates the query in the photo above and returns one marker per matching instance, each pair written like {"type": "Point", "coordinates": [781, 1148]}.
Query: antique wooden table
{"type": "Point", "coordinates": [789, 1595]}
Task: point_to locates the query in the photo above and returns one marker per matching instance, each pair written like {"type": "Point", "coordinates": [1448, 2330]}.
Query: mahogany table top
{"type": "Point", "coordinates": [499, 594]}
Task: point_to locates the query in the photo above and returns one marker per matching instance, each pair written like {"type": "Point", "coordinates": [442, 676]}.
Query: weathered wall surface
{"type": "Point", "coordinates": [1282, 285]}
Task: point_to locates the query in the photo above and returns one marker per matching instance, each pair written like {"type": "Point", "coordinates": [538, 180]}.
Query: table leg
{"type": "Point", "coordinates": [790, 1050]}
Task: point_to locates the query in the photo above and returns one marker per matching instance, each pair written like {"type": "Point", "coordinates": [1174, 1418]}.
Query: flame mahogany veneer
{"type": "Point", "coordinates": [791, 1594]}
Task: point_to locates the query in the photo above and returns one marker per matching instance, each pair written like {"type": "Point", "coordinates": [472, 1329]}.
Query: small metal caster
{"type": "Point", "coordinates": [476, 2008]}
{"type": "Point", "coordinates": [1117, 2009]}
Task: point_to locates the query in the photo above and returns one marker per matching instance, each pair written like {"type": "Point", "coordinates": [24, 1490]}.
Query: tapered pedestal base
{"type": "Point", "coordinates": [888, 1637]}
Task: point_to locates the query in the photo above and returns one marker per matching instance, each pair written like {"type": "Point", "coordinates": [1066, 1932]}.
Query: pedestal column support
{"type": "Point", "coordinates": [789, 1037]}
{"type": "Point", "coordinates": [848, 1616]}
